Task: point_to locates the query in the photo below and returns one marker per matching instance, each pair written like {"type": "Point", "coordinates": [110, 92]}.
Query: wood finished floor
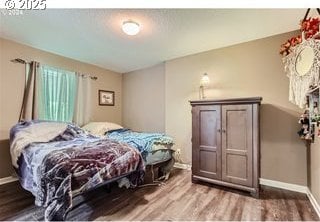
{"type": "Point", "coordinates": [178, 199]}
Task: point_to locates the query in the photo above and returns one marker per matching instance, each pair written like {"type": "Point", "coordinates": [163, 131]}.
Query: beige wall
{"type": "Point", "coordinates": [244, 70]}
{"type": "Point", "coordinates": [12, 83]}
{"type": "Point", "coordinates": [248, 69]}
{"type": "Point", "coordinates": [143, 99]}
{"type": "Point", "coordinates": [314, 169]}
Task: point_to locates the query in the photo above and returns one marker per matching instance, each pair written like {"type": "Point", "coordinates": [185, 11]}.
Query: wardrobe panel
{"type": "Point", "coordinates": [237, 166]}
{"type": "Point", "coordinates": [208, 127]}
{"type": "Point", "coordinates": [206, 141]}
{"type": "Point", "coordinates": [237, 144]}
{"type": "Point", "coordinates": [237, 132]}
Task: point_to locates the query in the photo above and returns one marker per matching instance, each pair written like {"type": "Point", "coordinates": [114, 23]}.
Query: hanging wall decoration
{"type": "Point", "coordinates": [302, 66]}
{"type": "Point", "coordinates": [301, 58]}
{"type": "Point", "coordinates": [106, 98]}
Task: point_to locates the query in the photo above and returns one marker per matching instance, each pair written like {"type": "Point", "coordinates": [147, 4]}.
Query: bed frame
{"type": "Point", "coordinates": [153, 169]}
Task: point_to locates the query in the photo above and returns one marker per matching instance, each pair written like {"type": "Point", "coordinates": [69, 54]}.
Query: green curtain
{"type": "Point", "coordinates": [57, 93]}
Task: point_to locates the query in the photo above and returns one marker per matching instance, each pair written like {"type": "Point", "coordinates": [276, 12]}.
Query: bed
{"type": "Point", "coordinates": [57, 161]}
{"type": "Point", "coordinates": [155, 148]}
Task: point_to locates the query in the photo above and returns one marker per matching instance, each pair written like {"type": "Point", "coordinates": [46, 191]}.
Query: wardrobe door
{"type": "Point", "coordinates": [237, 144]}
{"type": "Point", "coordinates": [206, 141]}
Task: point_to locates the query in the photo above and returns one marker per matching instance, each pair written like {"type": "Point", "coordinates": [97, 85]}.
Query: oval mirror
{"type": "Point", "coordinates": [304, 61]}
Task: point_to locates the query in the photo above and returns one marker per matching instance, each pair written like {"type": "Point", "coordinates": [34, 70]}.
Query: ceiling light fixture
{"type": "Point", "coordinates": [130, 27]}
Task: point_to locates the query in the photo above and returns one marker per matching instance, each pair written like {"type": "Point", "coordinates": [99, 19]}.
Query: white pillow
{"type": "Point", "coordinates": [100, 128]}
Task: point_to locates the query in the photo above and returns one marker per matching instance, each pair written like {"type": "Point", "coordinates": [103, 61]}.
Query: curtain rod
{"type": "Point", "coordinates": [22, 61]}
{"type": "Point", "coordinates": [84, 75]}
{"type": "Point", "coordinates": [18, 60]}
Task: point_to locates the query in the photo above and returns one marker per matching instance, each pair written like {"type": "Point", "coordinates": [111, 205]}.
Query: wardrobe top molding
{"type": "Point", "coordinates": [248, 100]}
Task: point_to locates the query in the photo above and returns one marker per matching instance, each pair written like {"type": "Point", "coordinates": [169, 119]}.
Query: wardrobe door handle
{"type": "Point", "coordinates": [219, 130]}
{"type": "Point", "coordinates": [224, 131]}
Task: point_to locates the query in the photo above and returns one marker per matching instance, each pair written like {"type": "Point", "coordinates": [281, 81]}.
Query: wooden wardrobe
{"type": "Point", "coordinates": [226, 142]}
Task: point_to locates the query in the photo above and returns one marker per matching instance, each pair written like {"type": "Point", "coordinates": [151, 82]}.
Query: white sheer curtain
{"type": "Point", "coordinates": [57, 94]}
{"type": "Point", "coordinates": [82, 110]}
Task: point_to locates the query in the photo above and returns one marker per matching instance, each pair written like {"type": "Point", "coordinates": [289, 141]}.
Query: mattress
{"type": "Point", "coordinates": [160, 153]}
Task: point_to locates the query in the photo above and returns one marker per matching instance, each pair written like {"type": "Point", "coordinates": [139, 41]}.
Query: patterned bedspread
{"type": "Point", "coordinates": [142, 141]}
{"type": "Point", "coordinates": [71, 161]}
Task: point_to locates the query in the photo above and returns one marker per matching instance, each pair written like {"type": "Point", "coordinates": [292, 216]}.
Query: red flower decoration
{"type": "Point", "coordinates": [310, 27]}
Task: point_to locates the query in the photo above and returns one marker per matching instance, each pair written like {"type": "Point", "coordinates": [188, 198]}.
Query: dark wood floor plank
{"type": "Point", "coordinates": [176, 200]}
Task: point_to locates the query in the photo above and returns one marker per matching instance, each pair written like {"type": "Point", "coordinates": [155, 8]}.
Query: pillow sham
{"type": "Point", "coordinates": [100, 128]}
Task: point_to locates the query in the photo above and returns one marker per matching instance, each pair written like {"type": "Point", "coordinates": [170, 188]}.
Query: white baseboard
{"type": "Point", "coordinates": [293, 187]}
{"type": "Point", "coordinates": [182, 166]}
{"type": "Point", "coordinates": [8, 180]}
{"type": "Point", "coordinates": [285, 186]}
{"type": "Point", "coordinates": [314, 202]}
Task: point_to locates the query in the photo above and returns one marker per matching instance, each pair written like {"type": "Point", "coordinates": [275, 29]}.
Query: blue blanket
{"type": "Point", "coordinates": [142, 141]}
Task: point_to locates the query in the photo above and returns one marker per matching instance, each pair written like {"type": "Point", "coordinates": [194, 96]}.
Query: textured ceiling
{"type": "Point", "coordinates": [94, 35]}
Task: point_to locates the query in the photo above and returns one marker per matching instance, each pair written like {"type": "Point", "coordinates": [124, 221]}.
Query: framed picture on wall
{"type": "Point", "coordinates": [106, 98]}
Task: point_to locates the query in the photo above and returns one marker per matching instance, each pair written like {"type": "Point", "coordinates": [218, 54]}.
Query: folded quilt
{"type": "Point", "coordinates": [71, 161]}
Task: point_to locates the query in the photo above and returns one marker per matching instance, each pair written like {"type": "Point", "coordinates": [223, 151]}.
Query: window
{"type": "Point", "coordinates": [57, 94]}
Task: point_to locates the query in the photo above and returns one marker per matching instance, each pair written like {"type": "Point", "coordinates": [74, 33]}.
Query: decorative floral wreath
{"type": "Point", "coordinates": [309, 28]}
